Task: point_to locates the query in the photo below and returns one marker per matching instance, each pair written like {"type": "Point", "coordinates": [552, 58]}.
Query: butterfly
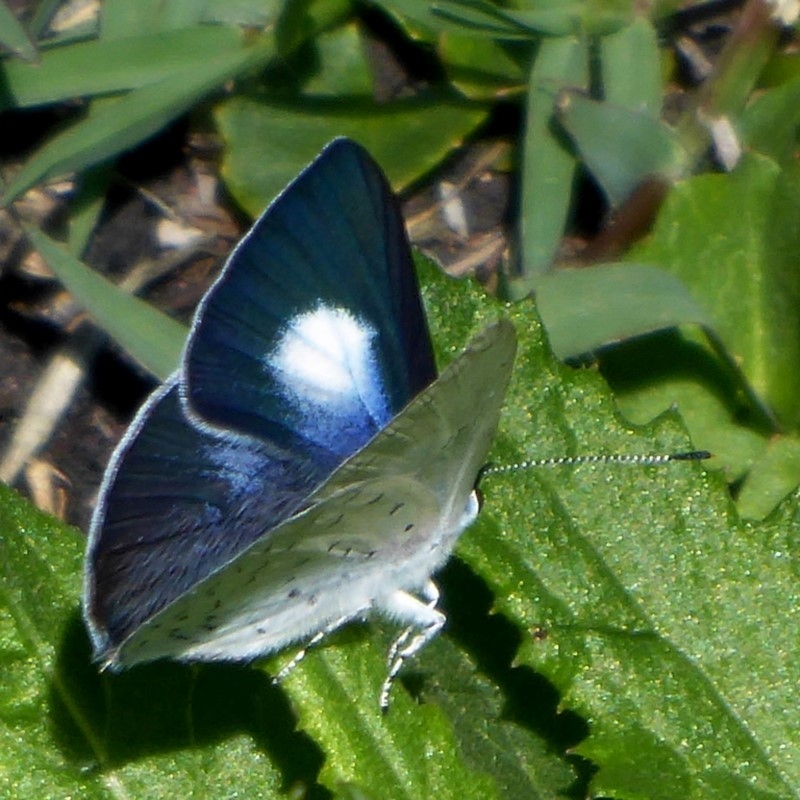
{"type": "Point", "coordinates": [305, 466]}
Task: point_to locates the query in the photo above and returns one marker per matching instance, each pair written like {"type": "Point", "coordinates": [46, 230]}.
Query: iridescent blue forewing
{"type": "Point", "coordinates": [332, 244]}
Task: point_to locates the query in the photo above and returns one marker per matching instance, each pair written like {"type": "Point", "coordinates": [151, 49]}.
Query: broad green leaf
{"type": "Point", "coordinates": [151, 337]}
{"type": "Point", "coordinates": [461, 714]}
{"type": "Point", "coordinates": [268, 142]}
{"type": "Point", "coordinates": [336, 699]}
{"type": "Point", "coordinates": [135, 117]}
{"type": "Point", "coordinates": [548, 166]}
{"type": "Point", "coordinates": [663, 619]}
{"type": "Point", "coordinates": [621, 147]}
{"type": "Point", "coordinates": [733, 241]}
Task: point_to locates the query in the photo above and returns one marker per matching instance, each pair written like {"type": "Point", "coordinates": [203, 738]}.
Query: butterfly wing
{"type": "Point", "coordinates": [267, 356]}
{"type": "Point", "coordinates": [383, 521]}
{"type": "Point", "coordinates": [275, 391]}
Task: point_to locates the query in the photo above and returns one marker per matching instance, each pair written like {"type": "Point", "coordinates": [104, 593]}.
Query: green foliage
{"type": "Point", "coordinates": [659, 617]}
{"type": "Point", "coordinates": [653, 611]}
{"type": "Point", "coordinates": [738, 259]}
{"type": "Point", "coordinates": [149, 336]}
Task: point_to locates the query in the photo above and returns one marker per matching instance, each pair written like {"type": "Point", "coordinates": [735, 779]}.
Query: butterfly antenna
{"type": "Point", "coordinates": [572, 461]}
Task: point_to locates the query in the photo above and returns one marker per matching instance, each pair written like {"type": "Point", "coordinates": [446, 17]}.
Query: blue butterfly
{"type": "Point", "coordinates": [304, 467]}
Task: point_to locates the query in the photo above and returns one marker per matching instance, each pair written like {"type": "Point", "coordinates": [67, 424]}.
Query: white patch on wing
{"type": "Point", "coordinates": [326, 364]}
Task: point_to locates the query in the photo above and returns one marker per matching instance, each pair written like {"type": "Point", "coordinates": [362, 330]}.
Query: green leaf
{"type": "Point", "coordinates": [770, 123]}
{"type": "Point", "coordinates": [121, 18]}
{"type": "Point", "coordinates": [67, 731]}
{"type": "Point", "coordinates": [424, 20]}
{"type": "Point", "coordinates": [295, 132]}
{"type": "Point", "coordinates": [662, 618]}
{"type": "Point", "coordinates": [537, 19]}
{"type": "Point", "coordinates": [254, 13]}
{"type": "Point", "coordinates": [151, 337]}
{"type": "Point", "coordinates": [548, 166]}
{"type": "Point", "coordinates": [341, 68]}
{"type": "Point", "coordinates": [585, 309]}
{"type": "Point", "coordinates": [381, 753]}
{"type": "Point", "coordinates": [14, 36]}
{"type": "Point", "coordinates": [621, 147]}
{"type": "Point", "coordinates": [667, 623]}
{"type": "Point", "coordinates": [636, 89]}
{"type": "Point", "coordinates": [478, 19]}
{"type": "Point", "coordinates": [133, 118]}
{"type": "Point", "coordinates": [732, 240]}
{"type": "Point", "coordinates": [679, 369]}
{"type": "Point", "coordinates": [772, 478]}
{"type": "Point", "coordinates": [86, 208]}
{"type": "Point", "coordinates": [85, 69]}
{"type": "Point", "coordinates": [482, 68]}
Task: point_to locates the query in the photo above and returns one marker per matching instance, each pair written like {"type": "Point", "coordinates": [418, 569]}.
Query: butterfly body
{"type": "Point", "coordinates": [304, 466]}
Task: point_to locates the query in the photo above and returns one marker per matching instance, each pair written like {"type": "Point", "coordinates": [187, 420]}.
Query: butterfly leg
{"type": "Point", "coordinates": [430, 594]}
{"type": "Point", "coordinates": [422, 620]}
{"type": "Point", "coordinates": [312, 642]}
